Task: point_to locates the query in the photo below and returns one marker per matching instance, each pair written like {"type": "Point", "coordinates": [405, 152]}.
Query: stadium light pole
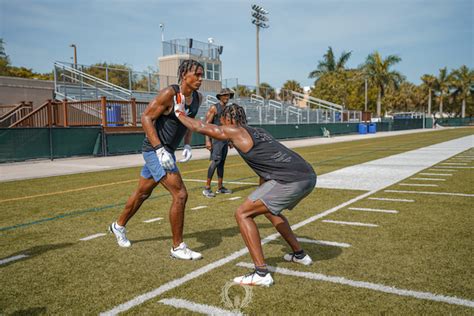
{"type": "Point", "coordinates": [259, 19]}
{"type": "Point", "coordinates": [75, 54]}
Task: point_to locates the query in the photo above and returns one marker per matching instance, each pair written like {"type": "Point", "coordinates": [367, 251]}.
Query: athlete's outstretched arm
{"type": "Point", "coordinates": [208, 129]}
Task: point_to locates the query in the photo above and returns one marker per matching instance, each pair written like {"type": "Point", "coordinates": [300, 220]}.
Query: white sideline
{"type": "Point", "coordinates": [199, 207]}
{"type": "Point", "coordinates": [368, 285]}
{"type": "Point", "coordinates": [436, 174]}
{"type": "Point", "coordinates": [234, 198]}
{"type": "Point", "coordinates": [10, 259]}
{"type": "Point", "coordinates": [428, 179]}
{"type": "Point", "coordinates": [92, 236]}
{"type": "Point", "coordinates": [196, 307]}
{"type": "Point", "coordinates": [389, 199]}
{"type": "Point", "coordinates": [349, 223]}
{"type": "Point", "coordinates": [372, 210]}
{"type": "Point", "coordinates": [151, 220]}
{"type": "Point", "coordinates": [430, 193]}
{"type": "Point", "coordinates": [211, 266]}
{"type": "Point", "coordinates": [418, 185]}
{"type": "Point", "coordinates": [443, 170]}
{"type": "Point", "coordinates": [324, 242]}
{"type": "Point", "coordinates": [454, 167]}
{"type": "Point", "coordinates": [454, 163]}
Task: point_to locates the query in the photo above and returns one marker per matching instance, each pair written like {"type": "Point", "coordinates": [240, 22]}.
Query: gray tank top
{"type": "Point", "coordinates": [271, 160]}
{"type": "Point", "coordinates": [168, 127]}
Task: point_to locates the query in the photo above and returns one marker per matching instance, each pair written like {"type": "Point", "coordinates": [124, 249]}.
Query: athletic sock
{"type": "Point", "coordinates": [262, 270]}
{"type": "Point", "coordinates": [118, 226]}
{"type": "Point", "coordinates": [300, 254]}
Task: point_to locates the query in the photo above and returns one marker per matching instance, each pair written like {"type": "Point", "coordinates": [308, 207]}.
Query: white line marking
{"type": "Point", "coordinates": [230, 182]}
{"type": "Point", "coordinates": [447, 170]}
{"type": "Point", "coordinates": [213, 265]}
{"type": "Point", "coordinates": [430, 193]}
{"type": "Point", "coordinates": [428, 179]}
{"type": "Point", "coordinates": [199, 207]}
{"type": "Point", "coordinates": [454, 163]}
{"type": "Point", "coordinates": [195, 307]}
{"type": "Point", "coordinates": [455, 167]}
{"type": "Point", "coordinates": [436, 174]}
{"type": "Point", "coordinates": [368, 285]}
{"type": "Point", "coordinates": [153, 220]}
{"type": "Point", "coordinates": [349, 223]}
{"type": "Point", "coordinates": [373, 210]}
{"type": "Point", "coordinates": [14, 258]}
{"type": "Point", "coordinates": [392, 200]}
{"type": "Point", "coordinates": [418, 185]}
{"type": "Point", "coordinates": [234, 198]}
{"type": "Point", "coordinates": [324, 242]}
{"type": "Point", "coordinates": [92, 236]}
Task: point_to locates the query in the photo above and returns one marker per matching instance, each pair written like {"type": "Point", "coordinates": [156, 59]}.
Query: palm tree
{"type": "Point", "coordinates": [429, 81]}
{"type": "Point", "coordinates": [242, 91]}
{"type": "Point", "coordinates": [266, 91]}
{"type": "Point", "coordinates": [329, 64]}
{"type": "Point", "coordinates": [463, 79]}
{"type": "Point", "coordinates": [443, 82]}
{"type": "Point", "coordinates": [378, 71]}
{"type": "Point", "coordinates": [290, 85]}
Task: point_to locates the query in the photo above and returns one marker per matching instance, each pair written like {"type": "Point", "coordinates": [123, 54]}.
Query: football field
{"type": "Point", "coordinates": [389, 228]}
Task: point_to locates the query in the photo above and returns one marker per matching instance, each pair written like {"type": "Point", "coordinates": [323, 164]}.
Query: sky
{"type": "Point", "coordinates": [427, 35]}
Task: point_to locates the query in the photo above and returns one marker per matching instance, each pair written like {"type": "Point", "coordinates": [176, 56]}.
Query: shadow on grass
{"type": "Point", "coordinates": [242, 188]}
{"type": "Point", "coordinates": [208, 238]}
{"type": "Point", "coordinates": [34, 252]}
{"type": "Point", "coordinates": [30, 311]}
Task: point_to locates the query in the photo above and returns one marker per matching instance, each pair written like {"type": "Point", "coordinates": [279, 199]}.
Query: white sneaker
{"type": "Point", "coordinates": [183, 252]}
{"type": "Point", "coordinates": [291, 258]}
{"type": "Point", "coordinates": [253, 278]}
{"type": "Point", "coordinates": [120, 234]}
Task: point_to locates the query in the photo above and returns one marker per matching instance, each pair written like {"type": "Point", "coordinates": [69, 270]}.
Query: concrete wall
{"type": "Point", "coordinates": [14, 90]}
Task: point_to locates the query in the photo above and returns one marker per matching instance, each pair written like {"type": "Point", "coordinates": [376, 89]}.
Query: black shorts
{"type": "Point", "coordinates": [219, 150]}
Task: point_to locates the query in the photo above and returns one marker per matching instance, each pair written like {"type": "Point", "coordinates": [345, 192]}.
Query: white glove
{"type": "Point", "coordinates": [186, 153]}
{"type": "Point", "coordinates": [165, 158]}
{"type": "Point", "coordinates": [179, 106]}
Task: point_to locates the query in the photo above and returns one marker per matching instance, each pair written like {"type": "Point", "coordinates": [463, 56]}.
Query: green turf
{"type": "Point", "coordinates": [427, 246]}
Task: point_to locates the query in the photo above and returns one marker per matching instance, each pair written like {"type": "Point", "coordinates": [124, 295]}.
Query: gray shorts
{"type": "Point", "coordinates": [279, 196]}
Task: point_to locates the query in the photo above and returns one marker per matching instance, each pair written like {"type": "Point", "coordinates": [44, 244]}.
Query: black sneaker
{"type": "Point", "coordinates": [224, 190]}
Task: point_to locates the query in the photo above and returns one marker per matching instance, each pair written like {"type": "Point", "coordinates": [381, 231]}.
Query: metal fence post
{"type": "Point", "coordinates": [134, 112]}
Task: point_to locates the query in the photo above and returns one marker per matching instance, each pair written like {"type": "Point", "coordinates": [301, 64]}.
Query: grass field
{"type": "Point", "coordinates": [426, 246]}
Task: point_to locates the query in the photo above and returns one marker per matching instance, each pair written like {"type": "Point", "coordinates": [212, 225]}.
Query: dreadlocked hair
{"type": "Point", "coordinates": [236, 113]}
{"type": "Point", "coordinates": [187, 65]}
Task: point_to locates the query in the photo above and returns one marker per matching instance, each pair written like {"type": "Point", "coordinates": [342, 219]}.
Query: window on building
{"type": "Point", "coordinates": [212, 71]}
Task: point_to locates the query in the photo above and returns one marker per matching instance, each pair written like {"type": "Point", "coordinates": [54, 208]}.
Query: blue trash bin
{"type": "Point", "coordinates": [362, 128]}
{"type": "Point", "coordinates": [114, 115]}
{"type": "Point", "coordinates": [372, 128]}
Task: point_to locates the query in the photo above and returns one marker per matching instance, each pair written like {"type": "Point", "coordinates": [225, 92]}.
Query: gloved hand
{"type": "Point", "coordinates": [179, 105]}
{"type": "Point", "coordinates": [165, 158]}
{"type": "Point", "coordinates": [186, 153]}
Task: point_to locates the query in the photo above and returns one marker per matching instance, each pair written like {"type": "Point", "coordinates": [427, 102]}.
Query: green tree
{"type": "Point", "coordinates": [266, 91]}
{"type": "Point", "coordinates": [285, 91]}
{"type": "Point", "coordinates": [329, 64]}
{"type": "Point", "coordinates": [429, 85]}
{"type": "Point", "coordinates": [379, 73]}
{"type": "Point", "coordinates": [115, 73]}
{"type": "Point", "coordinates": [242, 91]}
{"type": "Point", "coordinates": [4, 60]}
{"type": "Point", "coordinates": [463, 81]}
{"type": "Point", "coordinates": [442, 85]}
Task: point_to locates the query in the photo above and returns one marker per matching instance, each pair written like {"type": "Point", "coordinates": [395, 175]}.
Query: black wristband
{"type": "Point", "coordinates": [157, 147]}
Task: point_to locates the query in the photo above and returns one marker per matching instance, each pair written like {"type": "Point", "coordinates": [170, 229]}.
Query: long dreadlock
{"type": "Point", "coordinates": [236, 113]}
{"type": "Point", "coordinates": [187, 65]}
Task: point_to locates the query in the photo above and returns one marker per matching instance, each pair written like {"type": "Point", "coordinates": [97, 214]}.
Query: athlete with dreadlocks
{"type": "Point", "coordinates": [164, 132]}
{"type": "Point", "coordinates": [285, 179]}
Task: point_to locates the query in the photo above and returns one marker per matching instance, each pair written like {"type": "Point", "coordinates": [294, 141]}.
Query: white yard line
{"type": "Point", "coordinates": [428, 179]}
{"type": "Point", "coordinates": [14, 258]}
{"type": "Point", "coordinates": [92, 236]}
{"type": "Point", "coordinates": [430, 193]}
{"type": "Point", "coordinates": [455, 167]}
{"type": "Point", "coordinates": [368, 285]}
{"type": "Point", "coordinates": [454, 163]}
{"type": "Point", "coordinates": [324, 242]}
{"type": "Point", "coordinates": [372, 210]}
{"type": "Point", "coordinates": [418, 185]}
{"type": "Point", "coordinates": [436, 174]}
{"type": "Point", "coordinates": [443, 170]}
{"type": "Point", "coordinates": [199, 207]}
{"type": "Point", "coordinates": [391, 200]}
{"type": "Point", "coordinates": [234, 198]}
{"type": "Point", "coordinates": [349, 223]}
{"type": "Point", "coordinates": [196, 307]}
{"type": "Point", "coordinates": [153, 220]}
{"type": "Point", "coordinates": [225, 182]}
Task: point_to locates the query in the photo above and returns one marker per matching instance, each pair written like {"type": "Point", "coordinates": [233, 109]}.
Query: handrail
{"type": "Point", "coordinates": [16, 107]}
{"type": "Point", "coordinates": [318, 104]}
{"type": "Point", "coordinates": [257, 99]}
{"type": "Point", "coordinates": [44, 105]}
{"type": "Point", "coordinates": [275, 104]}
{"type": "Point", "coordinates": [316, 100]}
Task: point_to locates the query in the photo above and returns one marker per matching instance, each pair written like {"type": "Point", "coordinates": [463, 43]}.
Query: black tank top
{"type": "Point", "coordinates": [217, 119]}
{"type": "Point", "coordinates": [271, 160]}
{"type": "Point", "coordinates": [168, 127]}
